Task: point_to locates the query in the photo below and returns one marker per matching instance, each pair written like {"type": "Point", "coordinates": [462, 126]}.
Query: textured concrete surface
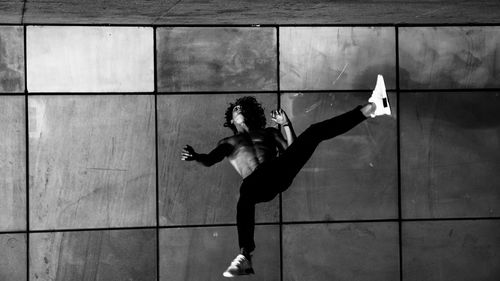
{"type": "Point", "coordinates": [190, 193]}
{"type": "Point", "coordinates": [92, 161]}
{"type": "Point", "coordinates": [216, 59]}
{"type": "Point", "coordinates": [449, 57]}
{"type": "Point", "coordinates": [352, 176]}
{"type": "Point", "coordinates": [449, 154]}
{"type": "Point", "coordinates": [247, 11]}
{"type": "Point", "coordinates": [13, 257]}
{"type": "Point", "coordinates": [11, 11]}
{"type": "Point", "coordinates": [92, 164]}
{"type": "Point", "coordinates": [204, 253]}
{"type": "Point", "coordinates": [75, 11]}
{"type": "Point", "coordinates": [328, 58]}
{"type": "Point", "coordinates": [359, 251]}
{"type": "Point", "coordinates": [11, 59]}
{"type": "Point", "coordinates": [12, 164]}
{"type": "Point", "coordinates": [115, 255]}
{"type": "Point", "coordinates": [451, 250]}
{"type": "Point", "coordinates": [90, 59]}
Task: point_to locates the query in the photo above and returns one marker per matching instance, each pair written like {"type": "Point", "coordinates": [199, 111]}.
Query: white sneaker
{"type": "Point", "coordinates": [240, 266]}
{"type": "Point", "coordinates": [379, 98]}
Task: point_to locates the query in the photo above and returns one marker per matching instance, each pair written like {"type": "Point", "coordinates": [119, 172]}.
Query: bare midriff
{"type": "Point", "coordinates": [251, 150]}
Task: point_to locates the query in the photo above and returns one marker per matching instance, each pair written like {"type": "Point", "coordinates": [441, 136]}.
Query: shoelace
{"type": "Point", "coordinates": [238, 260]}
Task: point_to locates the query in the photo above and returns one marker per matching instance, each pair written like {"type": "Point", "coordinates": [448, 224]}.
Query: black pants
{"type": "Point", "coordinates": [275, 176]}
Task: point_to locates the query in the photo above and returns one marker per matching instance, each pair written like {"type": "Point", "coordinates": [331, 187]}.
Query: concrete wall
{"type": "Point", "coordinates": [92, 186]}
{"type": "Point", "coordinates": [306, 12]}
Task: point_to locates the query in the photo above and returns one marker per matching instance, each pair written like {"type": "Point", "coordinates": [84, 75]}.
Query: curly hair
{"type": "Point", "coordinates": [251, 109]}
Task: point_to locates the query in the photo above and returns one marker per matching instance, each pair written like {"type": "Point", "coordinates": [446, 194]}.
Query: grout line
{"type": "Point", "coordinates": [155, 81]}
{"type": "Point", "coordinates": [13, 232]}
{"type": "Point", "coordinates": [212, 225]}
{"type": "Point", "coordinates": [26, 137]}
{"type": "Point", "coordinates": [259, 223]}
{"type": "Point", "coordinates": [92, 93]}
{"type": "Point", "coordinates": [148, 93]}
{"type": "Point", "coordinates": [459, 24]}
{"type": "Point", "coordinates": [215, 92]}
{"type": "Point", "coordinates": [278, 83]}
{"type": "Point", "coordinates": [18, 94]}
{"type": "Point", "coordinates": [253, 25]}
{"type": "Point", "coordinates": [469, 90]}
{"type": "Point", "coordinates": [451, 90]}
{"type": "Point", "coordinates": [91, 229]}
{"type": "Point", "coordinates": [334, 91]}
{"type": "Point", "coordinates": [398, 140]}
{"type": "Point", "coordinates": [450, 219]}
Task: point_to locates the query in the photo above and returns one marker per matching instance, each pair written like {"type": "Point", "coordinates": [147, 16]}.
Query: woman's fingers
{"type": "Point", "coordinates": [273, 115]}
{"type": "Point", "coordinates": [185, 153]}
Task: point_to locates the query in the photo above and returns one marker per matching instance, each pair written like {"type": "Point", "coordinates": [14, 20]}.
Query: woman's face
{"type": "Point", "coordinates": [238, 117]}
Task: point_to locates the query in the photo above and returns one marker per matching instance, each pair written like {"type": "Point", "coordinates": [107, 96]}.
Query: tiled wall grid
{"type": "Point", "coordinates": [94, 117]}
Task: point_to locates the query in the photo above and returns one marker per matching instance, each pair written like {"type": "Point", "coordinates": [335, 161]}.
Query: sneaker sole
{"type": "Point", "coordinates": [230, 275]}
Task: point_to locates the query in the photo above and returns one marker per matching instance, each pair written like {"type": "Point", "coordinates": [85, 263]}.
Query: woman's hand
{"type": "Point", "coordinates": [188, 154]}
{"type": "Point", "coordinates": [279, 116]}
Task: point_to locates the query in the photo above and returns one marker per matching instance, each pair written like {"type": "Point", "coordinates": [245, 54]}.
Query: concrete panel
{"type": "Point", "coordinates": [451, 250]}
{"type": "Point", "coordinates": [190, 193]}
{"type": "Point", "coordinates": [216, 59]}
{"type": "Point", "coordinates": [204, 253]}
{"type": "Point", "coordinates": [352, 176]}
{"type": "Point", "coordinates": [93, 255]}
{"type": "Point", "coordinates": [449, 57]}
{"type": "Point", "coordinates": [359, 251]}
{"type": "Point", "coordinates": [12, 164]}
{"type": "Point", "coordinates": [449, 155]}
{"type": "Point", "coordinates": [13, 257]}
{"type": "Point", "coordinates": [90, 59]}
{"type": "Point", "coordinates": [11, 59]}
{"type": "Point", "coordinates": [257, 12]}
{"type": "Point", "coordinates": [92, 161]}
{"type": "Point", "coordinates": [328, 58]}
{"type": "Point", "coordinates": [11, 11]}
{"type": "Point", "coordinates": [95, 12]}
